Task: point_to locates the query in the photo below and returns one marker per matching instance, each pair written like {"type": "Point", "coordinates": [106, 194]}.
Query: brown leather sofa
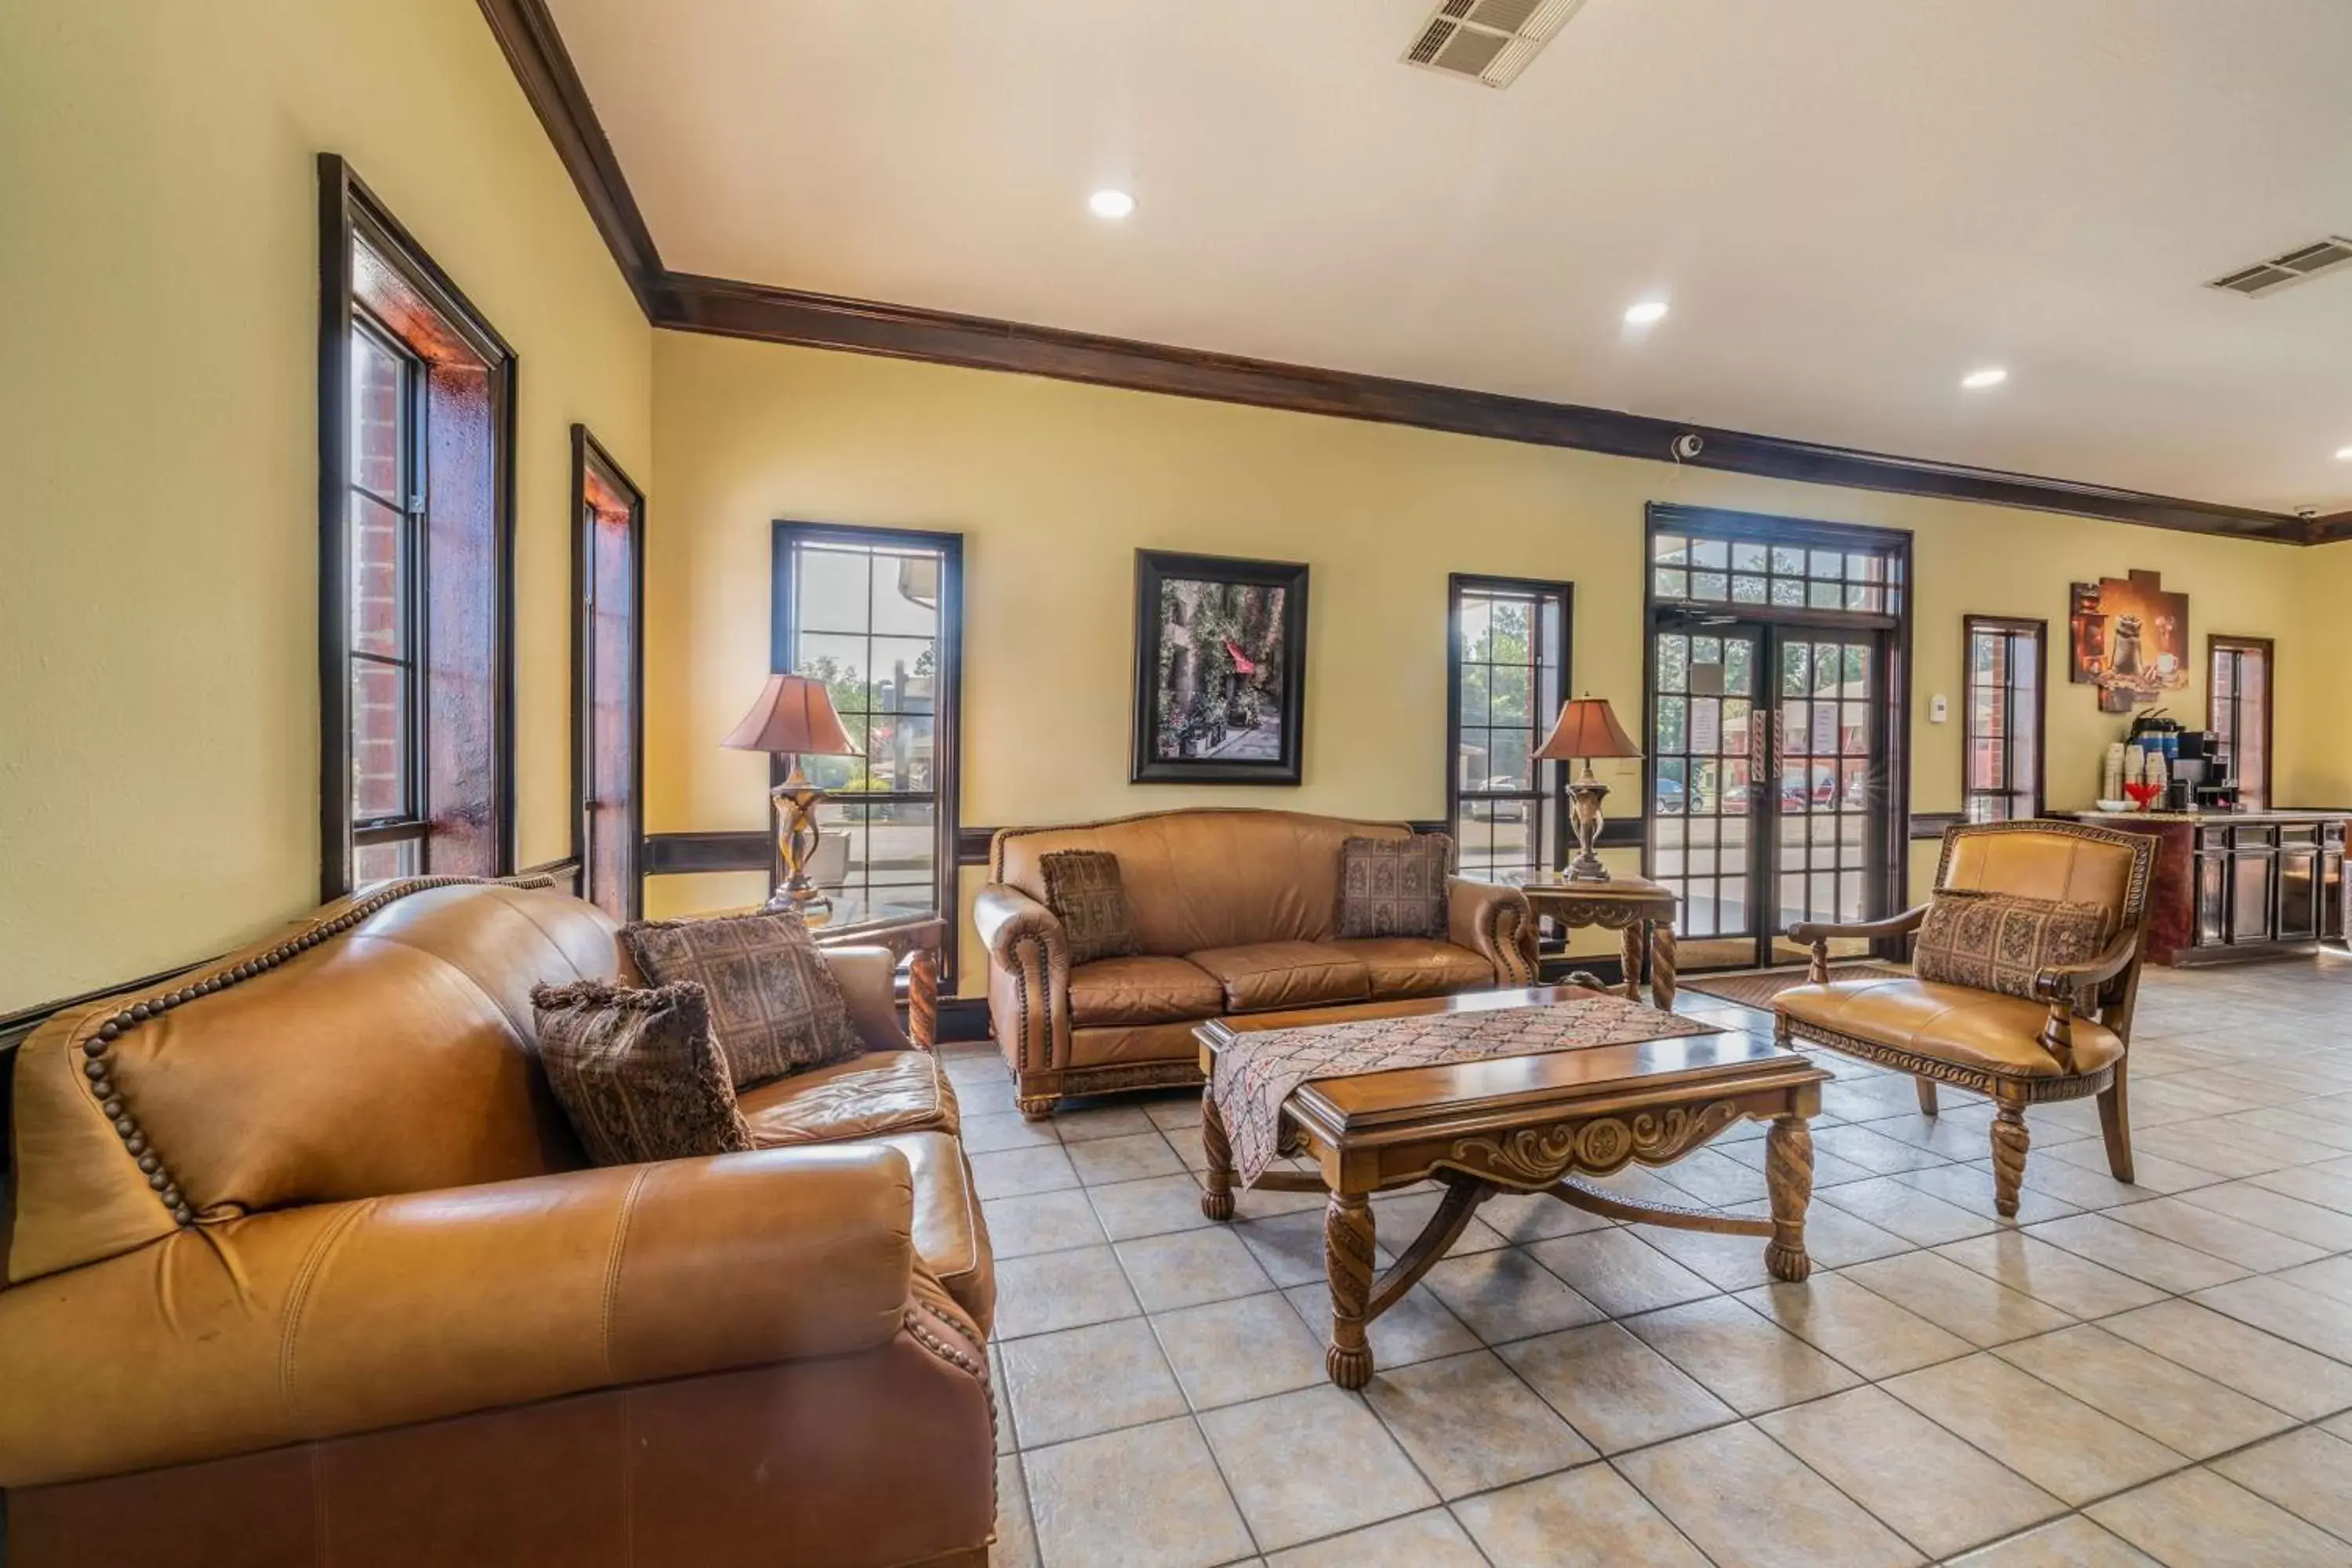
{"type": "Point", "coordinates": [1236, 912]}
{"type": "Point", "coordinates": [304, 1266]}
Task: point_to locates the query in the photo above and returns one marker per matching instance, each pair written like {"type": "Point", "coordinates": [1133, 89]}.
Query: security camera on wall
{"type": "Point", "coordinates": [1688, 445]}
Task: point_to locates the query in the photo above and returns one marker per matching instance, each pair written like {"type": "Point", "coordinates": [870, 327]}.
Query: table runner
{"type": "Point", "coordinates": [1257, 1072]}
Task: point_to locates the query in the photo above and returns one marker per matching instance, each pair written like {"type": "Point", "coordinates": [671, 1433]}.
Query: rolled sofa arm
{"type": "Point", "coordinates": [1028, 977]}
{"type": "Point", "coordinates": [868, 978]}
{"type": "Point", "coordinates": [333, 1318]}
{"type": "Point", "coordinates": [1495, 922]}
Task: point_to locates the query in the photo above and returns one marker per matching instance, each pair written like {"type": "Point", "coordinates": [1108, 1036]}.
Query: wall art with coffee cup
{"type": "Point", "coordinates": [2130, 640]}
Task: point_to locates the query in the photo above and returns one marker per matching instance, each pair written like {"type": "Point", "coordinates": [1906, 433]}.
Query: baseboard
{"type": "Point", "coordinates": [963, 1018]}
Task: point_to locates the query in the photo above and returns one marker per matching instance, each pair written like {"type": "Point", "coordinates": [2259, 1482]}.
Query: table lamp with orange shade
{"type": "Point", "coordinates": [1587, 728]}
{"type": "Point", "coordinates": [794, 716]}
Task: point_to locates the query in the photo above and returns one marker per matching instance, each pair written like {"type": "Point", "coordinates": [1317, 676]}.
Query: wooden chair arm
{"type": "Point", "coordinates": [2068, 982]}
{"type": "Point", "coordinates": [1903, 924]}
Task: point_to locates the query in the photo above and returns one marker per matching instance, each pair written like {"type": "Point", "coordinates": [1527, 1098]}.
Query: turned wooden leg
{"type": "Point", "coordinates": [2114, 1124]}
{"type": "Point", "coordinates": [1348, 1245]}
{"type": "Point", "coordinates": [923, 999]}
{"type": "Point", "coordinates": [1217, 1191]}
{"type": "Point", "coordinates": [2010, 1143]}
{"type": "Point", "coordinates": [1037, 1107]}
{"type": "Point", "coordinates": [1788, 1176]}
{"type": "Point", "coordinates": [1662, 965]}
{"type": "Point", "coordinates": [1632, 949]}
{"type": "Point", "coordinates": [1926, 1088]}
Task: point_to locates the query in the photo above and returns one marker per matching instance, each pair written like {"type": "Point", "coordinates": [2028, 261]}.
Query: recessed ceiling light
{"type": "Point", "coordinates": [1111, 204]}
{"type": "Point", "coordinates": [1648, 310]}
{"type": "Point", "coordinates": [1978, 380]}
{"type": "Point", "coordinates": [2344, 454]}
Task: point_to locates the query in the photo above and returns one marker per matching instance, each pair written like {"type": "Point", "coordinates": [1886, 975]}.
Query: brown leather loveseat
{"type": "Point", "coordinates": [1236, 912]}
{"type": "Point", "coordinates": [306, 1267]}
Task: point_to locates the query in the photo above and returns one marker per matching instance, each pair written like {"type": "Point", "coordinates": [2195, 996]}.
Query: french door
{"type": "Point", "coordinates": [1771, 789]}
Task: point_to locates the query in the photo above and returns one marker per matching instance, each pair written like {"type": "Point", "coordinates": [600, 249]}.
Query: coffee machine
{"type": "Point", "coordinates": [2202, 780]}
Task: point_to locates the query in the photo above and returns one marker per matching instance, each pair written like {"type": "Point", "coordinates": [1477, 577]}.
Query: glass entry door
{"type": "Point", "coordinates": [1768, 796]}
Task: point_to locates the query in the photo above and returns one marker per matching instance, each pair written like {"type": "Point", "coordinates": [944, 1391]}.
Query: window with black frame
{"type": "Point", "coordinates": [2004, 719]}
{"type": "Point", "coordinates": [2238, 703]}
{"type": "Point", "coordinates": [876, 615]}
{"type": "Point", "coordinates": [1507, 651]}
{"type": "Point", "coordinates": [416, 513]}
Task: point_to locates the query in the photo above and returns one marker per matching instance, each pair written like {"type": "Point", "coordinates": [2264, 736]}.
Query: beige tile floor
{"type": "Point", "coordinates": [2123, 1375]}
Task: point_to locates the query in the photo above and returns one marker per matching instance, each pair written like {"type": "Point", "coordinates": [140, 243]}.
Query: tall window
{"type": "Point", "coordinates": [877, 615]}
{"type": "Point", "coordinates": [2238, 697]}
{"type": "Point", "coordinates": [415, 536]}
{"type": "Point", "coordinates": [2003, 762]}
{"type": "Point", "coordinates": [1508, 651]}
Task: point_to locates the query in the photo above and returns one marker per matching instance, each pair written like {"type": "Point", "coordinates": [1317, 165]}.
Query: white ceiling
{"type": "Point", "coordinates": [1849, 203]}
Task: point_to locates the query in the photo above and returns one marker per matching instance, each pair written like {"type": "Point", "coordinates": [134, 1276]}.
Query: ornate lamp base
{"type": "Point", "coordinates": [796, 838]}
{"type": "Point", "coordinates": [1584, 798]}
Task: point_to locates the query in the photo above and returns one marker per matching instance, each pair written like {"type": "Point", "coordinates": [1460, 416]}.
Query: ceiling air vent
{"type": "Point", "coordinates": [1490, 41]}
{"type": "Point", "coordinates": [2303, 261]}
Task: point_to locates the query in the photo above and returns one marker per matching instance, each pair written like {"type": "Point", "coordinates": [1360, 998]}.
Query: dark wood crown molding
{"type": "Point", "coordinates": [726, 307]}
{"type": "Point", "coordinates": [535, 49]}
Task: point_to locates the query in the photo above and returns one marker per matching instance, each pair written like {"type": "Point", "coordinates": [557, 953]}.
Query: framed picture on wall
{"type": "Point", "coordinates": [1220, 670]}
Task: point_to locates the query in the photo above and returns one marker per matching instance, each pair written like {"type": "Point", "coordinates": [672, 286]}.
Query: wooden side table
{"type": "Point", "coordinates": [914, 940]}
{"type": "Point", "coordinates": [1636, 906]}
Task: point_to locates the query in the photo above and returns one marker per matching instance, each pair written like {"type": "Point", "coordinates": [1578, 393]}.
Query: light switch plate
{"type": "Point", "coordinates": [1938, 710]}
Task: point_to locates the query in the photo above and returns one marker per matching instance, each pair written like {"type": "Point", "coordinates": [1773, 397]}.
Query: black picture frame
{"type": "Point", "coordinates": [1155, 570]}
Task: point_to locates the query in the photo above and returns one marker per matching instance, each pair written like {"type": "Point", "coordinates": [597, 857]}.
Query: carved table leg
{"type": "Point", "coordinates": [1662, 965]}
{"type": "Point", "coordinates": [923, 999]}
{"type": "Point", "coordinates": [1788, 1175]}
{"type": "Point", "coordinates": [1348, 1251]}
{"type": "Point", "coordinates": [2010, 1143]}
{"type": "Point", "coordinates": [1633, 961]}
{"type": "Point", "coordinates": [1217, 1191]}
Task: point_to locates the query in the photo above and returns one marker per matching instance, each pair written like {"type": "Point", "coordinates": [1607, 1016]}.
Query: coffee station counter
{"type": "Point", "coordinates": [2239, 884]}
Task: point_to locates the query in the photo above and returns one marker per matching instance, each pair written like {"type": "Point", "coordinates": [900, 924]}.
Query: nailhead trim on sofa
{"type": "Point", "coordinates": [98, 1046]}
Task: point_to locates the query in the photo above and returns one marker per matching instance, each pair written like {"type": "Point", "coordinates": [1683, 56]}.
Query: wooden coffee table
{"type": "Point", "coordinates": [1521, 1125]}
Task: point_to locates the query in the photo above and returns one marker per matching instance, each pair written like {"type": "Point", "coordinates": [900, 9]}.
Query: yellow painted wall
{"type": "Point", "coordinates": [1055, 485]}
{"type": "Point", "coordinates": [158, 588]}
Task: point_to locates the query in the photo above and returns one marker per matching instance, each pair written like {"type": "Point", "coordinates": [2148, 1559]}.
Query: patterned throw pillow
{"type": "Point", "coordinates": [638, 1072]}
{"type": "Point", "coordinates": [1395, 887]}
{"type": "Point", "coordinates": [774, 1004]}
{"type": "Point", "coordinates": [1994, 942]}
{"type": "Point", "coordinates": [1083, 889]}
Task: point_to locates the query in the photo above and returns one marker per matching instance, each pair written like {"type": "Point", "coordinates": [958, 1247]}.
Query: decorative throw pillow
{"type": "Point", "coordinates": [1083, 889]}
{"type": "Point", "coordinates": [775, 1006]}
{"type": "Point", "coordinates": [1995, 941]}
{"type": "Point", "coordinates": [1395, 887]}
{"type": "Point", "coordinates": [638, 1072]}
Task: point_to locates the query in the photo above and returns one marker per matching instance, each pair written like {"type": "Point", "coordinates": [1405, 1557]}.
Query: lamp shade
{"type": "Point", "coordinates": [795, 713]}
{"type": "Point", "coordinates": [1587, 728]}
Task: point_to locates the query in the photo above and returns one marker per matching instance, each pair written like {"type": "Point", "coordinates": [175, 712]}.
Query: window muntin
{"type": "Point", "coordinates": [1686, 568]}
{"type": "Point", "coordinates": [2001, 760]}
{"type": "Point", "coordinates": [874, 615]}
{"type": "Point", "coordinates": [1509, 658]}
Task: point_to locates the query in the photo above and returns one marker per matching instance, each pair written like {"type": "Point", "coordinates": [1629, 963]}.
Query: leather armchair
{"type": "Point", "coordinates": [401, 1321]}
{"type": "Point", "coordinates": [1236, 911]}
{"type": "Point", "coordinates": [2070, 1042]}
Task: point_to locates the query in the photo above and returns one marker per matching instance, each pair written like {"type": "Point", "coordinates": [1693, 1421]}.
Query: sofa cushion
{"type": "Point", "coordinates": [889, 1092]}
{"type": "Point", "coordinates": [1997, 941]}
{"type": "Point", "coordinates": [1142, 990]}
{"type": "Point", "coordinates": [950, 1235]}
{"type": "Point", "coordinates": [1264, 975]}
{"type": "Point", "coordinates": [1418, 966]}
{"type": "Point", "coordinates": [638, 1072]}
{"type": "Point", "coordinates": [774, 1005]}
{"type": "Point", "coordinates": [1395, 887]}
{"type": "Point", "coordinates": [1957, 1024]}
{"type": "Point", "coordinates": [1084, 890]}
